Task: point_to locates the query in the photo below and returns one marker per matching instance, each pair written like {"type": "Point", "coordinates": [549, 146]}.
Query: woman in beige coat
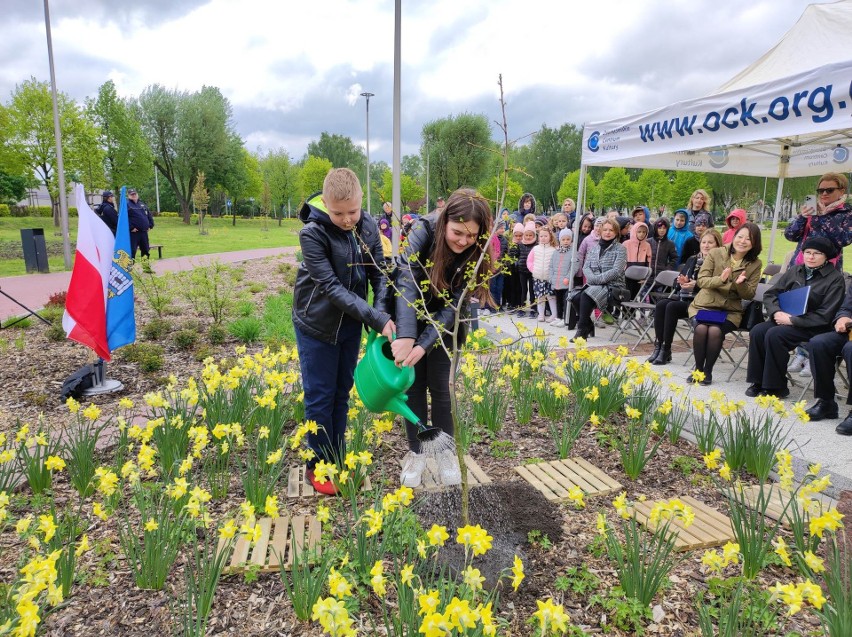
{"type": "Point", "coordinates": [728, 277]}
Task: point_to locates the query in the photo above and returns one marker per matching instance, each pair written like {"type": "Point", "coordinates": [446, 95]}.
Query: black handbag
{"type": "Point", "coordinates": [617, 296]}
{"type": "Point", "coordinates": [752, 315]}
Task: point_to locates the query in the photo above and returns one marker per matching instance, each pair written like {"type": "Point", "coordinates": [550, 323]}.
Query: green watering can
{"type": "Point", "coordinates": [382, 385]}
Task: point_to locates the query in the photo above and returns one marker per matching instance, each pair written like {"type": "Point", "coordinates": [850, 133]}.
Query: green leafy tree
{"type": "Point", "coordinates": [458, 149]}
{"type": "Point", "coordinates": [652, 188]}
{"type": "Point", "coordinates": [200, 199]}
{"type": "Point", "coordinates": [29, 138]}
{"type": "Point", "coordinates": [312, 174]}
{"type": "Point", "coordinates": [413, 167]}
{"type": "Point", "coordinates": [409, 189]}
{"type": "Point", "coordinates": [245, 180]}
{"type": "Point", "coordinates": [684, 184]}
{"type": "Point", "coordinates": [614, 189]}
{"type": "Point", "coordinates": [282, 176]}
{"type": "Point", "coordinates": [188, 133]}
{"type": "Point", "coordinates": [509, 197]}
{"type": "Point", "coordinates": [551, 154]}
{"type": "Point", "coordinates": [340, 151]}
{"type": "Point", "coordinates": [127, 158]}
{"type": "Point", "coordinates": [13, 188]}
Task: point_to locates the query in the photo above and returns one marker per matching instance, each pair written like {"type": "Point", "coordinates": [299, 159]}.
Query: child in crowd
{"type": "Point", "coordinates": [559, 221]}
{"type": "Point", "coordinates": [733, 221]}
{"type": "Point", "coordinates": [340, 251]}
{"type": "Point", "coordinates": [638, 252]}
{"type": "Point", "coordinates": [538, 263]}
{"type": "Point", "coordinates": [663, 250]}
{"type": "Point", "coordinates": [590, 241]}
{"type": "Point", "coordinates": [512, 280]}
{"type": "Point", "coordinates": [527, 295]}
{"type": "Point", "coordinates": [452, 240]}
{"type": "Point", "coordinates": [679, 233]}
{"type": "Point", "coordinates": [499, 248]}
{"type": "Point", "coordinates": [561, 270]}
{"type": "Point", "coordinates": [587, 225]}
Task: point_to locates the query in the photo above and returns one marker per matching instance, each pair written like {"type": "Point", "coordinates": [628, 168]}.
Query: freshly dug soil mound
{"type": "Point", "coordinates": [507, 510]}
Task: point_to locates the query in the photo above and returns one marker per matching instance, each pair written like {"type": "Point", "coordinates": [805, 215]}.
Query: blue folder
{"type": "Point", "coordinates": [795, 302]}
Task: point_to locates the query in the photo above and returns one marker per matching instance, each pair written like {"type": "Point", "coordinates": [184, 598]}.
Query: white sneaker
{"type": "Point", "coordinates": [412, 470]}
{"type": "Point", "coordinates": [806, 370]}
{"type": "Point", "coordinates": [797, 364]}
{"type": "Point", "coordinates": [448, 468]}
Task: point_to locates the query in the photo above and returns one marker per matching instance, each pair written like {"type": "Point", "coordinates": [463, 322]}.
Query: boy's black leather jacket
{"type": "Point", "coordinates": [332, 278]}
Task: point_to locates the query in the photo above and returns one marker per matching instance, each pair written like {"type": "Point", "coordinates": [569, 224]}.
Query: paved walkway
{"type": "Point", "coordinates": [34, 290]}
{"type": "Point", "coordinates": [811, 442]}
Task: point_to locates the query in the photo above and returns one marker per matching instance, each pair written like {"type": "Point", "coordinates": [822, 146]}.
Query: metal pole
{"type": "Point", "coordinates": [368, 96]}
{"type": "Point", "coordinates": [57, 131]}
{"type": "Point", "coordinates": [157, 188]}
{"type": "Point", "coordinates": [397, 195]}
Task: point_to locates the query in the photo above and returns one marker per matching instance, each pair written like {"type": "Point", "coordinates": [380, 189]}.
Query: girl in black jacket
{"type": "Point", "coordinates": [452, 241]}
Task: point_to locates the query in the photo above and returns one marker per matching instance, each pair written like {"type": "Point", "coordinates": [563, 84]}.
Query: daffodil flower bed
{"type": "Point", "coordinates": [200, 458]}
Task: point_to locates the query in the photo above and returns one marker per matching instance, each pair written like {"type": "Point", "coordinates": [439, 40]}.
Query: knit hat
{"type": "Point", "coordinates": [519, 227]}
{"type": "Point", "coordinates": [599, 221]}
{"type": "Point", "coordinates": [529, 226]}
{"type": "Point", "coordinates": [565, 232]}
{"type": "Point", "coordinates": [822, 245]}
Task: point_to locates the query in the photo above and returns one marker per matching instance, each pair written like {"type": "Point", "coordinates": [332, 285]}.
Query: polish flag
{"type": "Point", "coordinates": [85, 306]}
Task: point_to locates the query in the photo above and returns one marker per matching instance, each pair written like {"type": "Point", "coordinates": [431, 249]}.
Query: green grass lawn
{"type": "Point", "coordinates": [178, 239]}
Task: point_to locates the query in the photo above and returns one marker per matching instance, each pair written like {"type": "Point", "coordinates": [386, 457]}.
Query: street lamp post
{"type": "Point", "coordinates": [368, 96]}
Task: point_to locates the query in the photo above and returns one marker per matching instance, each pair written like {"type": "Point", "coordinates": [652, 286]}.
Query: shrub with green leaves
{"type": "Point", "coordinates": [186, 339]}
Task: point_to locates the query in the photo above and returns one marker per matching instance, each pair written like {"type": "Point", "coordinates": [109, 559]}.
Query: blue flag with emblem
{"type": "Point", "coordinates": [120, 319]}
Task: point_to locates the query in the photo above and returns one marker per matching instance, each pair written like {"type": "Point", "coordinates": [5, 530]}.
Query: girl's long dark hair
{"type": "Point", "coordinates": [465, 205]}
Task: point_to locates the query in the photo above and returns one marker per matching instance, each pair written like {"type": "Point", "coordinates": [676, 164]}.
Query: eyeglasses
{"type": "Point", "coordinates": [826, 191]}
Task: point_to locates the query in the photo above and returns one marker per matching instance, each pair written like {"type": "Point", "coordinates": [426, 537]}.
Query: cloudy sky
{"type": "Point", "coordinates": [293, 69]}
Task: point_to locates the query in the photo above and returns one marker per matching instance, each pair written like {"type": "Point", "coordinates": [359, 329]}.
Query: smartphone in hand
{"type": "Point", "coordinates": [811, 202]}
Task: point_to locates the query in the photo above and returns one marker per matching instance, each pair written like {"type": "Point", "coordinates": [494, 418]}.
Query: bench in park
{"type": "Point", "coordinates": [159, 248]}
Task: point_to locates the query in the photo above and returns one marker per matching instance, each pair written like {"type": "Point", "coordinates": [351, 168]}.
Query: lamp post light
{"type": "Point", "coordinates": [368, 96]}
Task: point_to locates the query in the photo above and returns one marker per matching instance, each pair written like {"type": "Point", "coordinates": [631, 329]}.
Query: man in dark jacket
{"type": "Point", "coordinates": [824, 351]}
{"type": "Point", "coordinates": [341, 254]}
{"type": "Point", "coordinates": [141, 220]}
{"type": "Point", "coordinates": [107, 212]}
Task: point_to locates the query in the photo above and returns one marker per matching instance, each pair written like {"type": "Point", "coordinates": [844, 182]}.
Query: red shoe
{"type": "Point", "coordinates": [326, 488]}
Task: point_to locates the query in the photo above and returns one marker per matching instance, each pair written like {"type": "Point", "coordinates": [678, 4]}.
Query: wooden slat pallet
{"type": "Point", "coordinates": [710, 528]}
{"type": "Point", "coordinates": [778, 498]}
{"type": "Point", "coordinates": [431, 482]}
{"type": "Point", "coordinates": [279, 538]}
{"type": "Point", "coordinates": [555, 478]}
{"type": "Point", "coordinates": [299, 487]}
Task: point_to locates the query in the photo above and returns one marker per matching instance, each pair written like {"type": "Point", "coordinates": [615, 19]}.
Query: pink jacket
{"type": "Point", "coordinates": [538, 262]}
{"type": "Point", "coordinates": [740, 214]}
{"type": "Point", "coordinates": [638, 251]}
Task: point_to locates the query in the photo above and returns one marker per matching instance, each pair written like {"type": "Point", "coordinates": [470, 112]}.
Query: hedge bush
{"type": "Point", "coordinates": [4, 210]}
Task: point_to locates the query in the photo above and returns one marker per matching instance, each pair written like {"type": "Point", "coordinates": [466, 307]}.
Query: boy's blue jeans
{"type": "Point", "coordinates": [328, 373]}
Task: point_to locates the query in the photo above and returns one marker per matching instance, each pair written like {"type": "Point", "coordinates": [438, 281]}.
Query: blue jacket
{"type": "Point", "coordinates": [679, 236]}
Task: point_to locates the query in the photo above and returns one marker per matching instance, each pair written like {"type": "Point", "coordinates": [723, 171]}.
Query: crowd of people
{"type": "Point", "coordinates": [715, 281]}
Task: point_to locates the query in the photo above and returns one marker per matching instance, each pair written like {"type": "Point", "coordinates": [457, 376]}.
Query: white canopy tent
{"type": "Point", "coordinates": [786, 115]}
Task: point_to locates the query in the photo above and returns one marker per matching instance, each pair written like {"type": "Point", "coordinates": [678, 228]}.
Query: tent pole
{"type": "Point", "coordinates": [578, 220]}
{"type": "Point", "coordinates": [775, 219]}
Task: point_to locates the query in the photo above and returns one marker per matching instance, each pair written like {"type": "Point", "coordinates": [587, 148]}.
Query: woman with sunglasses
{"type": "Point", "coordinates": [831, 219]}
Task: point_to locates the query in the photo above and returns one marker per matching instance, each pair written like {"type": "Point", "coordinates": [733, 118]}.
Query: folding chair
{"type": "Point", "coordinates": [770, 271]}
{"type": "Point", "coordinates": [19, 319]}
{"type": "Point", "coordinates": [738, 333]}
{"type": "Point", "coordinates": [840, 370]}
{"type": "Point", "coordinates": [665, 281]}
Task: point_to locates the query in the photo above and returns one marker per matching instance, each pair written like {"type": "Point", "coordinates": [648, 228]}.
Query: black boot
{"type": "Point", "coordinates": [665, 356]}
{"type": "Point", "coordinates": [657, 347]}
